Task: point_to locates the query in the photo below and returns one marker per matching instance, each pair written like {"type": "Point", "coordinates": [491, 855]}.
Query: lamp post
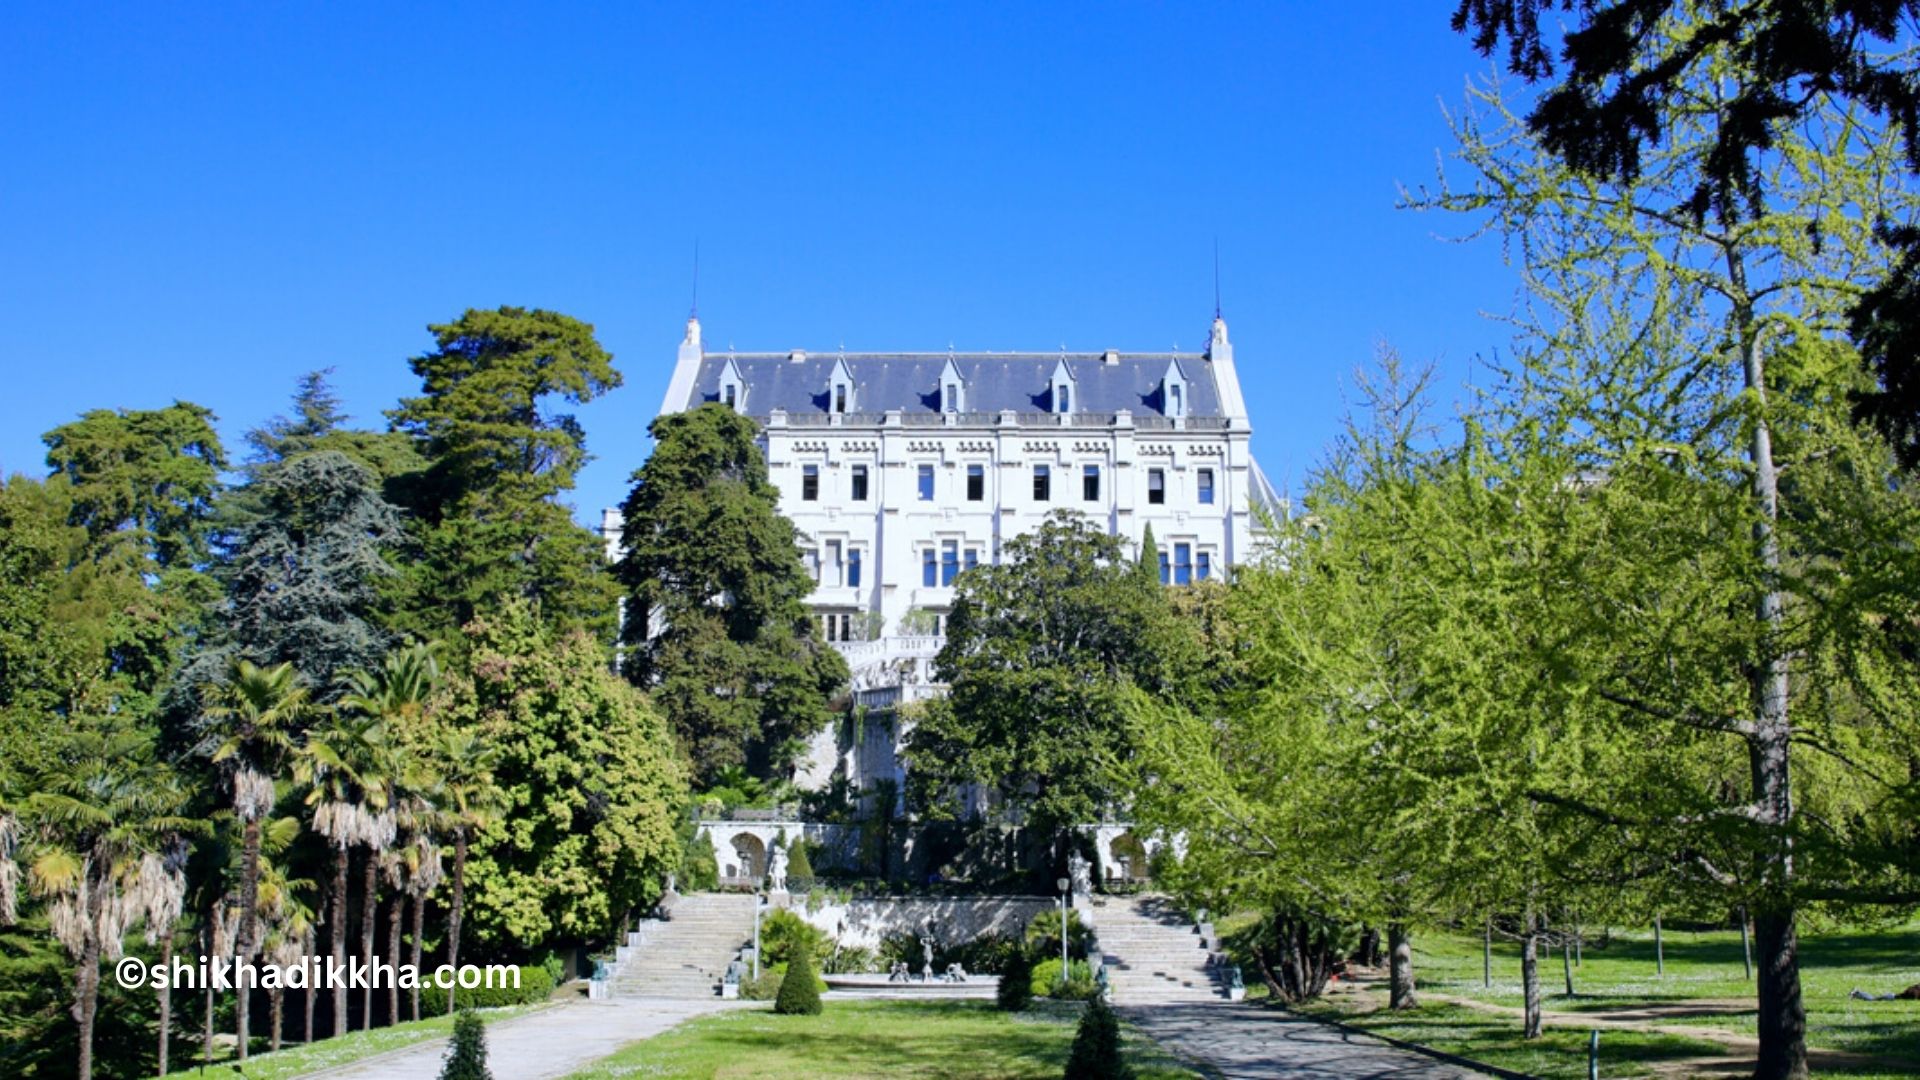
{"type": "Point", "coordinates": [759, 905]}
{"type": "Point", "coordinates": [1064, 884]}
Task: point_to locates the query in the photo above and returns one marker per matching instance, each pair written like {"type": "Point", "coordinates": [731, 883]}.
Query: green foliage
{"type": "Point", "coordinates": [1038, 652]}
{"type": "Point", "coordinates": [799, 867]}
{"type": "Point", "coordinates": [699, 871]}
{"type": "Point", "coordinates": [1078, 984]}
{"type": "Point", "coordinates": [850, 959]}
{"type": "Point", "coordinates": [785, 935]}
{"type": "Point", "coordinates": [488, 516]}
{"type": "Point", "coordinates": [1096, 1047]}
{"type": "Point", "coordinates": [143, 477]}
{"type": "Point", "coordinates": [1015, 992]}
{"type": "Point", "coordinates": [799, 989]}
{"type": "Point", "coordinates": [536, 985]}
{"type": "Point", "coordinates": [467, 1049]}
{"type": "Point", "coordinates": [739, 668]}
{"type": "Point", "coordinates": [1043, 934]}
{"type": "Point", "coordinates": [589, 779]}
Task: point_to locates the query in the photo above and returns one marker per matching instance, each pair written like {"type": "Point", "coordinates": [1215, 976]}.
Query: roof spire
{"type": "Point", "coordinates": [694, 311]}
{"type": "Point", "coordinates": [1216, 278]}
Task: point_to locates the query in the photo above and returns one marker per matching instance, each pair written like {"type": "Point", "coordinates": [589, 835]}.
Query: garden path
{"type": "Point", "coordinates": [1248, 1042]}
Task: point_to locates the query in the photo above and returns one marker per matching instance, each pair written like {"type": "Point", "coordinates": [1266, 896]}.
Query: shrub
{"type": "Point", "coordinates": [1078, 986]}
{"type": "Point", "coordinates": [1043, 934]}
{"type": "Point", "coordinates": [1016, 983]}
{"type": "Point", "coordinates": [988, 954]}
{"type": "Point", "coordinates": [850, 959]}
{"type": "Point", "coordinates": [535, 985]}
{"type": "Point", "coordinates": [799, 990]}
{"type": "Point", "coordinates": [784, 934]}
{"type": "Point", "coordinates": [467, 1051]}
{"type": "Point", "coordinates": [1096, 1047]}
{"type": "Point", "coordinates": [799, 867]}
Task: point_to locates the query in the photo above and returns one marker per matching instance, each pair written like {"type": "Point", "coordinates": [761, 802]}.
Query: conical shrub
{"type": "Point", "coordinates": [467, 1050]}
{"type": "Point", "coordinates": [1016, 982]}
{"type": "Point", "coordinates": [800, 990]}
{"type": "Point", "coordinates": [1096, 1046]}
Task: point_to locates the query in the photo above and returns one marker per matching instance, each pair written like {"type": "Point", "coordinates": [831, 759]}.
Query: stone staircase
{"type": "Point", "coordinates": [686, 955]}
{"type": "Point", "coordinates": [1153, 953]}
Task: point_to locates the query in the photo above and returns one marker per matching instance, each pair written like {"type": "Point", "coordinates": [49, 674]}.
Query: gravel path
{"type": "Point", "coordinates": [1246, 1042]}
{"type": "Point", "coordinates": [549, 1043]}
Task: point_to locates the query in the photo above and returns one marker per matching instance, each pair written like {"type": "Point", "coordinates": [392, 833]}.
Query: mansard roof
{"type": "Point", "coordinates": [995, 382]}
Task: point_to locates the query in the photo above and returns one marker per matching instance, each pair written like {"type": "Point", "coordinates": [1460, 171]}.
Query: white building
{"type": "Point", "coordinates": [904, 470]}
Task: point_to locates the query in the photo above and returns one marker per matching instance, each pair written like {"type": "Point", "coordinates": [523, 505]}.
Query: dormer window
{"type": "Point", "coordinates": [953, 389]}
{"type": "Point", "coordinates": [733, 389]}
{"type": "Point", "coordinates": [732, 394]}
{"type": "Point", "coordinates": [1062, 388]}
{"type": "Point", "coordinates": [840, 389]}
{"type": "Point", "coordinates": [1173, 391]}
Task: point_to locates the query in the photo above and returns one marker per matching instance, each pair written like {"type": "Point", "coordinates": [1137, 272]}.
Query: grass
{"type": "Point", "coordinates": [1703, 992]}
{"type": "Point", "coordinates": [327, 1053]}
{"type": "Point", "coordinates": [895, 1040]}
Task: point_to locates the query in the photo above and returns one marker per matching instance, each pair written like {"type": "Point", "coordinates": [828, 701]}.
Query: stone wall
{"type": "Point", "coordinates": [864, 922]}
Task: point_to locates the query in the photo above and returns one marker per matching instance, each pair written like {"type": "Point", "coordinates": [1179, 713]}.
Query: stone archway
{"type": "Point", "coordinates": [750, 858]}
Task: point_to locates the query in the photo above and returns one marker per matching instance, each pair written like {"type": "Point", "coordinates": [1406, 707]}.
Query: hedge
{"type": "Point", "coordinates": [535, 985]}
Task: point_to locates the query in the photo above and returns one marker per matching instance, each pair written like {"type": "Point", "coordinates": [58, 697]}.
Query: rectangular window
{"type": "Point", "coordinates": [1156, 486]}
{"type": "Point", "coordinates": [1205, 483]}
{"type": "Point", "coordinates": [846, 628]}
{"type": "Point", "coordinates": [976, 483]}
{"type": "Point", "coordinates": [731, 391]}
{"type": "Point", "coordinates": [840, 398]}
{"type": "Point", "coordinates": [928, 575]}
{"type": "Point", "coordinates": [1204, 568]}
{"type": "Point", "coordinates": [1166, 570]}
{"type": "Point", "coordinates": [1183, 564]}
{"type": "Point", "coordinates": [853, 567]}
{"type": "Point", "coordinates": [836, 571]}
{"type": "Point", "coordinates": [949, 561]}
{"type": "Point", "coordinates": [1176, 401]}
{"type": "Point", "coordinates": [926, 483]}
{"type": "Point", "coordinates": [952, 398]}
{"type": "Point", "coordinates": [1090, 483]}
{"type": "Point", "coordinates": [1042, 483]}
{"type": "Point", "coordinates": [859, 483]}
{"type": "Point", "coordinates": [813, 563]}
{"type": "Point", "coordinates": [809, 482]}
{"type": "Point", "coordinates": [972, 559]}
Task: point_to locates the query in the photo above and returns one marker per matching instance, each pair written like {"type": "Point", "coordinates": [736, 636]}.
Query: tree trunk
{"type": "Point", "coordinates": [165, 993]}
{"type": "Point", "coordinates": [86, 998]}
{"type": "Point", "coordinates": [1400, 968]}
{"type": "Point", "coordinates": [419, 932]}
{"type": "Point", "coordinates": [369, 918]}
{"type": "Point", "coordinates": [243, 937]}
{"type": "Point", "coordinates": [1783, 1016]}
{"type": "Point", "coordinates": [276, 1009]}
{"type": "Point", "coordinates": [337, 937]}
{"type": "Point", "coordinates": [1530, 976]}
{"type": "Point", "coordinates": [1782, 1019]}
{"type": "Point", "coordinates": [396, 909]}
{"type": "Point", "coordinates": [1659, 949]}
{"type": "Point", "coordinates": [459, 903]}
{"type": "Point", "coordinates": [206, 1030]}
{"type": "Point", "coordinates": [1486, 954]}
{"type": "Point", "coordinates": [1566, 961]}
{"type": "Point", "coordinates": [309, 997]}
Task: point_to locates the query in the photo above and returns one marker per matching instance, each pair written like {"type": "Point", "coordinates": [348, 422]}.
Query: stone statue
{"type": "Point", "coordinates": [777, 871]}
{"type": "Point", "coordinates": [926, 955]}
{"type": "Point", "coordinates": [1080, 872]}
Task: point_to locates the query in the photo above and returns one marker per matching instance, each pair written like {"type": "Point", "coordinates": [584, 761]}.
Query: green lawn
{"type": "Point", "coordinates": [354, 1045]}
{"type": "Point", "coordinates": [883, 1040]}
{"type": "Point", "coordinates": [1704, 987]}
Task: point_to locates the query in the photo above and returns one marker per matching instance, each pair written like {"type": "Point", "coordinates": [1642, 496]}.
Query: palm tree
{"type": "Point", "coordinates": [258, 711]}
{"type": "Point", "coordinates": [289, 922]}
{"type": "Point", "coordinates": [164, 904]}
{"type": "Point", "coordinates": [423, 870]}
{"type": "Point", "coordinates": [92, 824]}
{"type": "Point", "coordinates": [341, 765]}
{"type": "Point", "coordinates": [397, 695]}
{"type": "Point", "coordinates": [463, 766]}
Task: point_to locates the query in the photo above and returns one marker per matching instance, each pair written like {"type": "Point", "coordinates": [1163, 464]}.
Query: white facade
{"type": "Point", "coordinates": [903, 470]}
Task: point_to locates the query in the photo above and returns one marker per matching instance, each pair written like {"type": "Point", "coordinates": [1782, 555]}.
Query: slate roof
{"type": "Point", "coordinates": [1020, 382]}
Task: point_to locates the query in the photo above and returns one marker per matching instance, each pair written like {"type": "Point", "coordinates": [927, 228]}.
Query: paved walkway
{"type": "Point", "coordinates": [1248, 1042]}
{"type": "Point", "coordinates": [550, 1043]}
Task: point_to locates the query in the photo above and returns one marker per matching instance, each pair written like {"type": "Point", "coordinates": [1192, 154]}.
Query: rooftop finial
{"type": "Point", "coordinates": [694, 311]}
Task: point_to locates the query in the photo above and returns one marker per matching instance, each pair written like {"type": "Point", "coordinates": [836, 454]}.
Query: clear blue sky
{"type": "Point", "coordinates": [203, 204]}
